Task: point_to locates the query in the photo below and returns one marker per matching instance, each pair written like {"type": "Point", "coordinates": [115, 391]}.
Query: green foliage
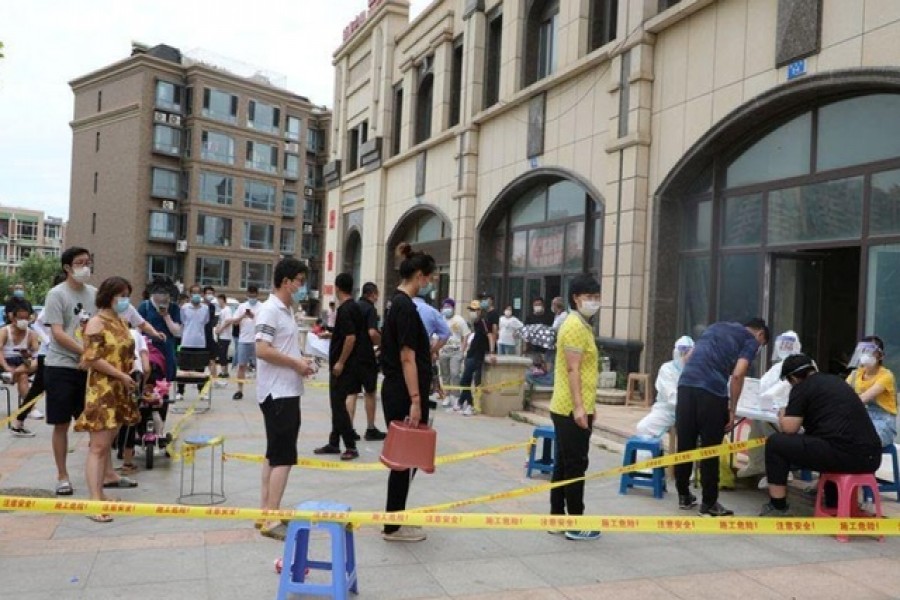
{"type": "Point", "coordinates": [1, 49]}
{"type": "Point", "coordinates": [36, 272]}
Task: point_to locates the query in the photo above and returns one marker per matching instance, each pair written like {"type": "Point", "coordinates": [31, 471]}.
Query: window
{"type": "Point", "coordinates": [213, 231]}
{"type": "Point", "coordinates": [99, 100]}
{"type": "Point", "coordinates": [96, 181]}
{"type": "Point", "coordinates": [262, 157]}
{"type": "Point", "coordinates": [216, 188]}
{"type": "Point", "coordinates": [289, 204]}
{"type": "Point", "coordinates": [782, 153]}
{"type": "Point", "coordinates": [212, 271]}
{"type": "Point", "coordinates": [312, 211]}
{"type": "Point", "coordinates": [165, 183]}
{"type": "Point", "coordinates": [859, 130]}
{"type": "Point", "coordinates": [26, 231]}
{"type": "Point", "coordinates": [52, 231]}
{"type": "Point", "coordinates": [315, 140]}
{"type": "Point", "coordinates": [397, 119]}
{"type": "Point", "coordinates": [162, 266]}
{"type": "Point", "coordinates": [310, 174]}
{"type": "Point", "coordinates": [97, 142]}
{"type": "Point", "coordinates": [291, 166]}
{"type": "Point", "coordinates": [288, 237]}
{"type": "Point", "coordinates": [666, 4]}
{"type": "Point", "coordinates": [259, 195]}
{"type": "Point", "coordinates": [259, 236]}
{"type": "Point", "coordinates": [310, 246]}
{"type": "Point", "coordinates": [320, 176]}
{"type": "Point", "coordinates": [352, 150]}
{"type": "Point", "coordinates": [256, 273]}
{"type": "Point", "coordinates": [168, 96]}
{"type": "Point", "coordinates": [93, 223]}
{"type": "Point", "coordinates": [492, 60]}
{"type": "Point", "coordinates": [424, 100]}
{"type": "Point", "coordinates": [263, 117]}
{"type": "Point", "coordinates": [604, 14]}
{"type": "Point", "coordinates": [163, 226]}
{"type": "Point", "coordinates": [220, 105]}
{"type": "Point", "coordinates": [541, 44]}
{"type": "Point", "coordinates": [217, 147]}
{"type": "Point", "coordinates": [292, 128]}
{"type": "Point", "coordinates": [165, 139]}
{"type": "Point", "coordinates": [456, 69]}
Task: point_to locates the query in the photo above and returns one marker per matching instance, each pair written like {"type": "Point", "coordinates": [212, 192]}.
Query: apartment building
{"type": "Point", "coordinates": [706, 159]}
{"type": "Point", "coordinates": [25, 231]}
{"type": "Point", "coordinates": [197, 169]}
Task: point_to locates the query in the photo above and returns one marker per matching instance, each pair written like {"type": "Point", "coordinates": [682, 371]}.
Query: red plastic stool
{"type": "Point", "coordinates": [847, 485]}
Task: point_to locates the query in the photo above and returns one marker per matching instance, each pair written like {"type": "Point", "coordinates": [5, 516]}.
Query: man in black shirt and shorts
{"type": "Point", "coordinates": [838, 434]}
{"type": "Point", "coordinates": [367, 361]}
{"type": "Point", "coordinates": [344, 378]}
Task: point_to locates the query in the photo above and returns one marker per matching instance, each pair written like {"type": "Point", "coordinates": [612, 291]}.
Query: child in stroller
{"type": "Point", "coordinates": [152, 396]}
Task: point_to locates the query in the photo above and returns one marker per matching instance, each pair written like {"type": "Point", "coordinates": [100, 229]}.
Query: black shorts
{"type": "Point", "coordinates": [222, 352]}
{"type": "Point", "coordinates": [282, 420]}
{"type": "Point", "coordinates": [65, 389]}
{"type": "Point", "coordinates": [360, 379]}
{"type": "Point", "coordinates": [212, 346]}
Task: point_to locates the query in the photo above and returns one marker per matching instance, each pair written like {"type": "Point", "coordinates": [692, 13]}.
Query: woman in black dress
{"type": "Point", "coordinates": [406, 364]}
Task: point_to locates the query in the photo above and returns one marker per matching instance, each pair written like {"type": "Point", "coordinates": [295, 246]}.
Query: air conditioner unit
{"type": "Point", "coordinates": [168, 204]}
{"type": "Point", "coordinates": [159, 117]}
{"type": "Point", "coordinates": [175, 120]}
{"type": "Point", "coordinates": [181, 246]}
{"type": "Point", "coordinates": [307, 229]}
{"type": "Point", "coordinates": [292, 147]}
{"type": "Point", "coordinates": [308, 192]}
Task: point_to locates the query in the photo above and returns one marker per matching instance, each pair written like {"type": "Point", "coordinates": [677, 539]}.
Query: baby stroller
{"type": "Point", "coordinates": [153, 403]}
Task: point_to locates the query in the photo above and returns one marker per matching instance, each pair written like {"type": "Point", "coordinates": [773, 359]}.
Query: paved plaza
{"type": "Point", "coordinates": [69, 557]}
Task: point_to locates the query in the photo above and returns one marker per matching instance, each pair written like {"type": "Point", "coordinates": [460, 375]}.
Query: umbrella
{"type": "Point", "coordinates": [539, 335]}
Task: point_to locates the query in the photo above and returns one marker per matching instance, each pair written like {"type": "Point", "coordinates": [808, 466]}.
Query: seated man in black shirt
{"type": "Point", "coordinates": [838, 434]}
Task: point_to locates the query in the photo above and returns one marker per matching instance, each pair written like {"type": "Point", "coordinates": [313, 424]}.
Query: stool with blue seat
{"type": "Point", "coordinates": [655, 480]}
{"type": "Point", "coordinates": [891, 486]}
{"type": "Point", "coordinates": [549, 453]}
{"type": "Point", "coordinates": [847, 507]}
{"type": "Point", "coordinates": [296, 560]}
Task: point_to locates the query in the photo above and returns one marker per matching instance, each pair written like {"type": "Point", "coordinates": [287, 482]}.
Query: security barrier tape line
{"type": "Point", "coordinates": [522, 522]}
{"type": "Point", "coordinates": [22, 410]}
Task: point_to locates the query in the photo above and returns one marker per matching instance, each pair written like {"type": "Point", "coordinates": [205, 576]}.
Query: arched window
{"type": "Point", "coordinates": [541, 44]}
{"type": "Point", "coordinates": [424, 100]}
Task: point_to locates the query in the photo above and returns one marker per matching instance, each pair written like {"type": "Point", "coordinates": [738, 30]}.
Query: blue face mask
{"type": "Point", "coordinates": [19, 293]}
{"type": "Point", "coordinates": [195, 299]}
{"type": "Point", "coordinates": [424, 292]}
{"type": "Point", "coordinates": [252, 301]}
{"type": "Point", "coordinates": [485, 304]}
{"type": "Point", "coordinates": [122, 305]}
{"type": "Point", "coordinates": [300, 295]}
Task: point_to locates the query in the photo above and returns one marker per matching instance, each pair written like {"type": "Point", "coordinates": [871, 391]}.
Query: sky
{"type": "Point", "coordinates": [47, 43]}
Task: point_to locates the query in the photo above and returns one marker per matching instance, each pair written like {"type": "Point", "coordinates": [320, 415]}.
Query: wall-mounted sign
{"type": "Point", "coordinates": [332, 219]}
{"type": "Point", "coordinates": [796, 69]}
{"type": "Point", "coordinates": [360, 19]}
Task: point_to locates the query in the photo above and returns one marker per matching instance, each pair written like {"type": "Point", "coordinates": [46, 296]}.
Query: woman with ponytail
{"type": "Point", "coordinates": [406, 364]}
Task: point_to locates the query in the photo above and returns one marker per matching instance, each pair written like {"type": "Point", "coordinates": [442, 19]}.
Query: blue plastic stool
{"type": "Point", "coordinates": [656, 480]}
{"type": "Point", "coordinates": [296, 556]}
{"type": "Point", "coordinates": [887, 486]}
{"type": "Point", "coordinates": [549, 453]}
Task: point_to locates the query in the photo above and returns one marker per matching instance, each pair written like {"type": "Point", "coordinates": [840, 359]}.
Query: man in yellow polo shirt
{"type": "Point", "coordinates": [574, 396]}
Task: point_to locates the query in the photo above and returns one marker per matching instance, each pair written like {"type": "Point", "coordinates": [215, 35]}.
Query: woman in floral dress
{"type": "Point", "coordinates": [109, 358]}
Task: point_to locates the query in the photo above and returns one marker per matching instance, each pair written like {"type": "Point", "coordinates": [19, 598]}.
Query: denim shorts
{"type": "Point", "coordinates": [885, 423]}
{"type": "Point", "coordinates": [246, 353]}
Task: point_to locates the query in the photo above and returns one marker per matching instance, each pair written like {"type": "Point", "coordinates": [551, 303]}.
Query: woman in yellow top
{"type": "Point", "coordinates": [109, 358]}
{"type": "Point", "coordinates": [574, 396]}
{"type": "Point", "coordinates": [876, 388]}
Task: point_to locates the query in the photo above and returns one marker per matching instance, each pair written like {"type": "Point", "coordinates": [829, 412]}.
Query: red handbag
{"type": "Point", "coordinates": [408, 447]}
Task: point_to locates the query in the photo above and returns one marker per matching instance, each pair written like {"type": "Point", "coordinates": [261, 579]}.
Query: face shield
{"type": "Point", "coordinates": [866, 354]}
{"type": "Point", "coordinates": [680, 352]}
{"type": "Point", "coordinates": [786, 344]}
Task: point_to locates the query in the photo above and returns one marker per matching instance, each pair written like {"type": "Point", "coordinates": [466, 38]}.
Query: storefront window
{"type": "Point", "coordinates": [517, 254]}
{"type": "Point", "coordinates": [884, 213]}
{"type": "Point", "coordinates": [574, 245]}
{"type": "Point", "coordinates": [783, 153]}
{"type": "Point", "coordinates": [739, 287]}
{"type": "Point", "coordinates": [565, 199]}
{"type": "Point", "coordinates": [694, 300]}
{"type": "Point", "coordinates": [859, 130]}
{"type": "Point", "coordinates": [818, 212]}
{"type": "Point", "coordinates": [696, 226]}
{"type": "Point", "coordinates": [545, 248]}
{"type": "Point", "coordinates": [883, 297]}
{"type": "Point", "coordinates": [742, 222]}
{"type": "Point", "coordinates": [531, 209]}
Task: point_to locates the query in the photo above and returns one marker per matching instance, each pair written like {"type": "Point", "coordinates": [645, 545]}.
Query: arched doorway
{"type": "Point", "coordinates": [427, 230]}
{"type": "Point", "coordinates": [353, 260]}
{"type": "Point", "coordinates": [788, 209]}
{"type": "Point", "coordinates": [541, 231]}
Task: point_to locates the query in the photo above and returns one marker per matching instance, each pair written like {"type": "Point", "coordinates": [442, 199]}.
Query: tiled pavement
{"type": "Point", "coordinates": [51, 556]}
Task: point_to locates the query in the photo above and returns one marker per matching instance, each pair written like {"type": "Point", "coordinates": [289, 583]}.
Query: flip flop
{"type": "Point", "coordinates": [121, 482]}
{"type": "Point", "coordinates": [101, 518]}
{"type": "Point", "coordinates": [278, 532]}
{"type": "Point", "coordinates": [64, 488]}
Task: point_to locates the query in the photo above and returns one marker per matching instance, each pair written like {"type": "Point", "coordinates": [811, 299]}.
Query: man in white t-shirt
{"type": "Point", "coordinates": [279, 385]}
{"type": "Point", "coordinates": [194, 317]}
{"type": "Point", "coordinates": [223, 335]}
{"type": "Point", "coordinates": [245, 318]}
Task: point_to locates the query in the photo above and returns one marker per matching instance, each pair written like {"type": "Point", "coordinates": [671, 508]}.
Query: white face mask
{"type": "Point", "coordinates": [537, 309]}
{"type": "Point", "coordinates": [81, 274]}
{"type": "Point", "coordinates": [22, 324]}
{"type": "Point", "coordinates": [507, 313]}
{"type": "Point", "coordinates": [589, 308]}
{"type": "Point", "coordinates": [867, 360]}
{"type": "Point", "coordinates": [447, 312]}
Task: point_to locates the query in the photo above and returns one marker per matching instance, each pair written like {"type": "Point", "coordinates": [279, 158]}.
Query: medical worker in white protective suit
{"type": "Point", "coordinates": [662, 415]}
{"type": "Point", "coordinates": [774, 392]}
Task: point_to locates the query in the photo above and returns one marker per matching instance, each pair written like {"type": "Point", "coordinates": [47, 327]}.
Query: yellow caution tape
{"type": "Point", "coordinates": [653, 463]}
{"type": "Point", "coordinates": [607, 523]}
{"type": "Point", "coordinates": [326, 465]}
{"type": "Point", "coordinates": [21, 410]}
{"type": "Point", "coordinates": [174, 454]}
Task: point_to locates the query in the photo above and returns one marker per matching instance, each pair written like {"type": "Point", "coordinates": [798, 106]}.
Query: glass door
{"type": "Point", "coordinates": [532, 290]}
{"type": "Point", "coordinates": [795, 299]}
{"type": "Point", "coordinates": [882, 300]}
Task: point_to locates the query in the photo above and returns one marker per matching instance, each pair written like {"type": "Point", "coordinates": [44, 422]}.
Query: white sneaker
{"type": "Point", "coordinates": [35, 414]}
{"type": "Point", "coordinates": [405, 534]}
{"type": "Point", "coordinates": [220, 384]}
{"type": "Point", "coordinates": [179, 397]}
{"type": "Point", "coordinates": [468, 411]}
{"type": "Point", "coordinates": [447, 402]}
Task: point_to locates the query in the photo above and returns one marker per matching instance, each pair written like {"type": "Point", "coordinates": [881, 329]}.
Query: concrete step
{"type": "Point", "coordinates": [605, 435]}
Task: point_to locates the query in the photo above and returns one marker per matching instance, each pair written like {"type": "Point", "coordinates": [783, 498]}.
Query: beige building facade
{"type": "Point", "coordinates": [25, 231]}
{"type": "Point", "coordinates": [706, 160]}
{"type": "Point", "coordinates": [187, 169]}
